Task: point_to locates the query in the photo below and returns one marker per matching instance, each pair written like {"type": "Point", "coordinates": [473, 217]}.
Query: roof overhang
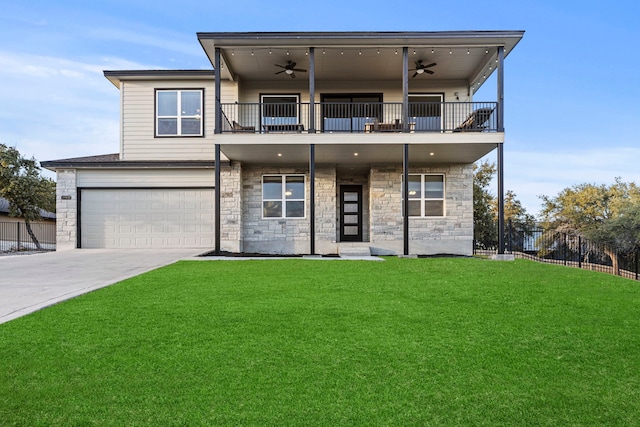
{"type": "Point", "coordinates": [116, 77]}
{"type": "Point", "coordinates": [460, 55]}
{"type": "Point", "coordinates": [111, 161]}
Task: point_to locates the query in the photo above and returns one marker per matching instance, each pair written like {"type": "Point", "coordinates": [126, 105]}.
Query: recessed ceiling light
{"type": "Point", "coordinates": [432, 154]}
{"type": "Point", "coordinates": [355, 154]}
{"type": "Point", "coordinates": [279, 154]}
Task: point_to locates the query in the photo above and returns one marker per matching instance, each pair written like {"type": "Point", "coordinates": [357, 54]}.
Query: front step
{"type": "Point", "coordinates": [354, 251]}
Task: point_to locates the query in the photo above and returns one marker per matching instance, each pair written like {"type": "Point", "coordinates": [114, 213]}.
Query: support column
{"type": "Point", "coordinates": [312, 90]}
{"type": "Point", "coordinates": [500, 150]}
{"type": "Point", "coordinates": [500, 199]}
{"type": "Point", "coordinates": [218, 105]}
{"type": "Point", "coordinates": [217, 200]}
{"type": "Point", "coordinates": [405, 199]}
{"type": "Point", "coordinates": [500, 111]}
{"type": "Point", "coordinates": [217, 130]}
{"type": "Point", "coordinates": [312, 199]}
{"type": "Point", "coordinates": [405, 89]}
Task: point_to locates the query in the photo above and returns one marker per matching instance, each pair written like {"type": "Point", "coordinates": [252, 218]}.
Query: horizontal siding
{"type": "Point", "coordinates": [139, 141]}
{"type": "Point", "coordinates": [146, 178]}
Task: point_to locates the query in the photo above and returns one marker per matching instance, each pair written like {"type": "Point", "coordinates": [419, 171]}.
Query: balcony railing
{"type": "Point", "coordinates": [369, 117]}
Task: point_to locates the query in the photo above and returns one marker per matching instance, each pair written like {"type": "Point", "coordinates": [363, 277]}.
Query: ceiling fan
{"type": "Point", "coordinates": [421, 68]}
{"type": "Point", "coordinates": [290, 68]}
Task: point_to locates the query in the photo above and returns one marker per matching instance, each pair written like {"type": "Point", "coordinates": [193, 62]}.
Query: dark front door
{"type": "Point", "coordinates": [351, 213]}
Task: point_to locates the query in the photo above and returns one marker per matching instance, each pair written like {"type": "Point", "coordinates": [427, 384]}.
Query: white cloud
{"type": "Point", "coordinates": [56, 108]}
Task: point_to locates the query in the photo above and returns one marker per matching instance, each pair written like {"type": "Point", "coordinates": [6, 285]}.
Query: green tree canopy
{"type": "Point", "coordinates": [606, 214]}
{"type": "Point", "coordinates": [485, 228]}
{"type": "Point", "coordinates": [25, 189]}
{"type": "Point", "coordinates": [485, 208]}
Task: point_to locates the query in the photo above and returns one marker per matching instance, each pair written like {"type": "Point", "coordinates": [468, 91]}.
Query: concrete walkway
{"type": "Point", "coordinates": [31, 282]}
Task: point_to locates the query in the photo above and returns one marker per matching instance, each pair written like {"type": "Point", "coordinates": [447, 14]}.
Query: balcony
{"type": "Point", "coordinates": [363, 118]}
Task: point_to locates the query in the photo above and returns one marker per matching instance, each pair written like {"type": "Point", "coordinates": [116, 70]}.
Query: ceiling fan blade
{"type": "Point", "coordinates": [429, 72]}
{"type": "Point", "coordinates": [299, 69]}
{"type": "Point", "coordinates": [415, 74]}
{"type": "Point", "coordinates": [430, 65]}
{"type": "Point", "coordinates": [293, 75]}
{"type": "Point", "coordinates": [413, 69]}
{"type": "Point", "coordinates": [292, 64]}
{"type": "Point", "coordinates": [279, 72]}
{"type": "Point", "coordinates": [281, 66]}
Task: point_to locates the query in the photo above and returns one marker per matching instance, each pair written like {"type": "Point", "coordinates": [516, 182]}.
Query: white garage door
{"type": "Point", "coordinates": [147, 218]}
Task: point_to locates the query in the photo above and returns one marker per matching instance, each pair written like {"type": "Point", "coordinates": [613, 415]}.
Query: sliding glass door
{"type": "Point", "coordinates": [349, 113]}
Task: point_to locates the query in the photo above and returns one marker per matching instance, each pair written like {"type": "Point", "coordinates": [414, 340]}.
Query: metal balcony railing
{"type": "Point", "coordinates": [363, 117]}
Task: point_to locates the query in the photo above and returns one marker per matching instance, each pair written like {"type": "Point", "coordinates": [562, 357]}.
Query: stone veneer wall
{"type": "Point", "coordinates": [231, 208]}
{"type": "Point", "coordinates": [66, 210]}
{"type": "Point", "coordinates": [288, 235]}
{"type": "Point", "coordinates": [452, 233]}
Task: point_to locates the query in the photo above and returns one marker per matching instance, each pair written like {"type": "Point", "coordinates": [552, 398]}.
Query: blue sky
{"type": "Point", "coordinates": [571, 84]}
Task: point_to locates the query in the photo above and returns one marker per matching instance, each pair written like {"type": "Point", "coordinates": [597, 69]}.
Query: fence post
{"type": "Point", "coordinates": [564, 256]}
{"type": "Point", "coordinates": [18, 233]}
{"type": "Point", "coordinates": [580, 252]}
{"type": "Point", "coordinates": [510, 244]}
{"type": "Point", "coordinates": [637, 261]}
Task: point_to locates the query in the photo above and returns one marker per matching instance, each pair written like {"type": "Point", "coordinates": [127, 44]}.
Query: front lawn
{"type": "Point", "coordinates": [309, 342]}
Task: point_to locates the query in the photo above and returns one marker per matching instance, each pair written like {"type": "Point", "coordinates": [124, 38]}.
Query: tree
{"type": "Point", "coordinates": [485, 210]}
{"type": "Point", "coordinates": [25, 189]}
{"type": "Point", "coordinates": [520, 222]}
{"type": "Point", "coordinates": [485, 228]}
{"type": "Point", "coordinates": [600, 213]}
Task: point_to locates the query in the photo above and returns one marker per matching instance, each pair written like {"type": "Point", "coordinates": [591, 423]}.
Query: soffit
{"type": "Point", "coordinates": [351, 56]}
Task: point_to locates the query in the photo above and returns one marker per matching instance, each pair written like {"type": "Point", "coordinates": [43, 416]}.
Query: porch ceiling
{"type": "Point", "coordinates": [355, 56]}
{"type": "Point", "coordinates": [355, 154]}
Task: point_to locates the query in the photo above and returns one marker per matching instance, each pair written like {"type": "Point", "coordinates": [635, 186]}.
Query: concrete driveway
{"type": "Point", "coordinates": [31, 282]}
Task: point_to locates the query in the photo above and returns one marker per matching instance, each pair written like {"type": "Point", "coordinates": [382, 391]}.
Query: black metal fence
{"type": "Point", "coordinates": [359, 117]}
{"type": "Point", "coordinates": [566, 249]}
{"type": "Point", "coordinates": [14, 236]}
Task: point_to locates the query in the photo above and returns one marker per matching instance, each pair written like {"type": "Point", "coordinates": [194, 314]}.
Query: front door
{"type": "Point", "coordinates": [351, 213]}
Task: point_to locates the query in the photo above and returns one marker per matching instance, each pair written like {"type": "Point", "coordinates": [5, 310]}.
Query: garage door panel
{"type": "Point", "coordinates": [141, 218]}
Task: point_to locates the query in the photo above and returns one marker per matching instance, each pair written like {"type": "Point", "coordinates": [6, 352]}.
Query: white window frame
{"type": "Point", "coordinates": [179, 116]}
{"type": "Point", "coordinates": [283, 197]}
{"type": "Point", "coordinates": [424, 199]}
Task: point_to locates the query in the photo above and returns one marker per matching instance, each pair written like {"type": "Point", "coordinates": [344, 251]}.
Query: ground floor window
{"type": "Point", "coordinates": [283, 196]}
{"type": "Point", "coordinates": [426, 195]}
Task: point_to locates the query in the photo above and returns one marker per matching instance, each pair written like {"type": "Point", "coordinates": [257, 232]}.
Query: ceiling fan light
{"type": "Point", "coordinates": [420, 70]}
{"type": "Point", "coordinates": [288, 71]}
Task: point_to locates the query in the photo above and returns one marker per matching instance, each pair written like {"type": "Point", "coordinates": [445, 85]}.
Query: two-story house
{"type": "Point", "coordinates": [296, 143]}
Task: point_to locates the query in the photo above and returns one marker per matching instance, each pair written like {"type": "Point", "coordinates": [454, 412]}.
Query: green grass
{"type": "Point", "coordinates": [304, 342]}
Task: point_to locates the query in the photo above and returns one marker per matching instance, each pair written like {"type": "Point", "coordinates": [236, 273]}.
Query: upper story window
{"type": "Point", "coordinates": [283, 196]}
{"type": "Point", "coordinates": [426, 195]}
{"type": "Point", "coordinates": [179, 112]}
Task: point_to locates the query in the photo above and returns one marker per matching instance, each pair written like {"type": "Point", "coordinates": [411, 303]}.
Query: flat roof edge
{"type": "Point", "coordinates": [128, 164]}
{"type": "Point", "coordinates": [360, 34]}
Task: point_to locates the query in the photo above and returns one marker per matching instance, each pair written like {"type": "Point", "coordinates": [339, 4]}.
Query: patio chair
{"type": "Point", "coordinates": [476, 120]}
{"type": "Point", "coordinates": [239, 128]}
